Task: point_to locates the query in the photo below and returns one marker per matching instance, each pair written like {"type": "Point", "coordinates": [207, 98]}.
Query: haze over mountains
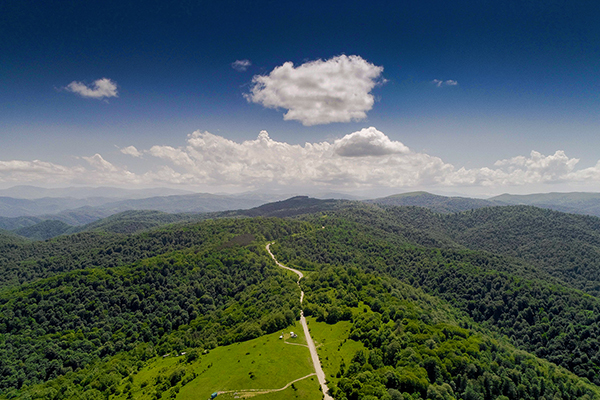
{"type": "Point", "coordinates": [40, 213]}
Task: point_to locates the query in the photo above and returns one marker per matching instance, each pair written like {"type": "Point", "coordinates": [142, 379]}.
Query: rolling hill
{"type": "Point", "coordinates": [434, 202]}
{"type": "Point", "coordinates": [574, 202]}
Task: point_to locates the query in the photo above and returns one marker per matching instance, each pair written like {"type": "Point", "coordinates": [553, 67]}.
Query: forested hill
{"type": "Point", "coordinates": [576, 202]}
{"type": "Point", "coordinates": [434, 202]}
{"type": "Point", "coordinates": [483, 304]}
{"type": "Point", "coordinates": [566, 246]}
{"type": "Point", "coordinates": [22, 262]}
{"type": "Point", "coordinates": [294, 206]}
{"type": "Point", "coordinates": [573, 202]}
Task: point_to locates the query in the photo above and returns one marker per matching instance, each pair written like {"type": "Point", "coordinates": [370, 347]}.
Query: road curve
{"type": "Point", "coordinates": [311, 344]}
{"type": "Point", "coordinates": [263, 391]}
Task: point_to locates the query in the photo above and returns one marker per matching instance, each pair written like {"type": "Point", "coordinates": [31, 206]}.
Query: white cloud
{"type": "Point", "coordinates": [365, 159]}
{"type": "Point", "coordinates": [101, 89]}
{"type": "Point", "coordinates": [440, 83]}
{"type": "Point", "coordinates": [131, 151]}
{"type": "Point", "coordinates": [520, 170]}
{"type": "Point", "coordinates": [241, 65]}
{"type": "Point", "coordinates": [319, 92]}
{"type": "Point", "coordinates": [586, 174]}
{"type": "Point", "coordinates": [100, 163]}
{"type": "Point", "coordinates": [98, 172]}
{"type": "Point", "coordinates": [35, 171]}
{"type": "Point", "coordinates": [368, 142]}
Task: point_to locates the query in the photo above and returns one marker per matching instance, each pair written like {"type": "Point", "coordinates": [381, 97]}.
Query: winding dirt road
{"type": "Point", "coordinates": [245, 393]}
{"type": "Point", "coordinates": [311, 344]}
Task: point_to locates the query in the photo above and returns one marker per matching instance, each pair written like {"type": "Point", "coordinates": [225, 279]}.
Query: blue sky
{"type": "Point", "coordinates": [467, 90]}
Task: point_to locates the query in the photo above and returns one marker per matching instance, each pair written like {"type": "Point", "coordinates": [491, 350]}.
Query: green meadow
{"type": "Point", "coordinates": [334, 348]}
{"type": "Point", "coordinates": [263, 363]}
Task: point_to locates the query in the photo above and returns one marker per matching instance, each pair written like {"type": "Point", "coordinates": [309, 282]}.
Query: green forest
{"type": "Point", "coordinates": [492, 303]}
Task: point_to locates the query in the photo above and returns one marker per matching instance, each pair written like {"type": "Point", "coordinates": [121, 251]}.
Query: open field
{"type": "Point", "coordinates": [263, 363]}
{"type": "Point", "coordinates": [333, 345]}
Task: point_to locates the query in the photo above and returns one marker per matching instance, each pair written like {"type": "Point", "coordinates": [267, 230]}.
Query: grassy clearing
{"type": "Point", "coordinates": [263, 363]}
{"type": "Point", "coordinates": [333, 346]}
{"type": "Point", "coordinates": [306, 389]}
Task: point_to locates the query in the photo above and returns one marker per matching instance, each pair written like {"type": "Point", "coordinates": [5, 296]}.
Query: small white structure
{"type": "Point", "coordinates": [281, 337]}
{"type": "Point", "coordinates": [292, 334]}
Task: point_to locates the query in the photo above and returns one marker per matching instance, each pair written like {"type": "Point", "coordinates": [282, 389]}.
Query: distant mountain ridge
{"type": "Point", "coordinates": [434, 202]}
{"type": "Point", "coordinates": [29, 218]}
{"type": "Point", "coordinates": [572, 202]}
{"type": "Point", "coordinates": [586, 203]}
{"type": "Point", "coordinates": [82, 211]}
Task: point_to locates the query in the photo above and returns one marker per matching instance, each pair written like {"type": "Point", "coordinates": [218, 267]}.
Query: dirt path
{"type": "Point", "coordinates": [311, 344]}
{"type": "Point", "coordinates": [255, 392]}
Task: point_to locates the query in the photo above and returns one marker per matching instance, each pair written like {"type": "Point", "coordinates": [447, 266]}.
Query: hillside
{"type": "Point", "coordinates": [44, 230]}
{"type": "Point", "coordinates": [135, 221]}
{"type": "Point", "coordinates": [404, 303]}
{"type": "Point", "coordinates": [292, 207]}
{"type": "Point", "coordinates": [574, 202]}
{"type": "Point", "coordinates": [434, 202]}
{"type": "Point", "coordinates": [565, 245]}
{"type": "Point", "coordinates": [508, 297]}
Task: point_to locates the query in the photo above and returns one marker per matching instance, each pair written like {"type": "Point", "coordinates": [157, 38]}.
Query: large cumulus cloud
{"type": "Point", "coordinates": [365, 159]}
{"type": "Point", "coordinates": [319, 92]}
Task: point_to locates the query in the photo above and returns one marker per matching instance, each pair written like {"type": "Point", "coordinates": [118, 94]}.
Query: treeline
{"type": "Point", "coordinates": [418, 349]}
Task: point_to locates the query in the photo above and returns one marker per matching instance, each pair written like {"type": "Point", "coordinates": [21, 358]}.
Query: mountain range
{"type": "Point", "coordinates": [27, 216]}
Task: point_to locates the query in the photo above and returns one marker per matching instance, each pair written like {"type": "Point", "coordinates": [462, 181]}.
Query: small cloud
{"type": "Point", "coordinates": [100, 163]}
{"type": "Point", "coordinates": [131, 151]}
{"type": "Point", "coordinates": [368, 142]}
{"type": "Point", "coordinates": [440, 83]}
{"type": "Point", "coordinates": [100, 89]}
{"type": "Point", "coordinates": [241, 65]}
{"type": "Point", "coordinates": [319, 92]}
